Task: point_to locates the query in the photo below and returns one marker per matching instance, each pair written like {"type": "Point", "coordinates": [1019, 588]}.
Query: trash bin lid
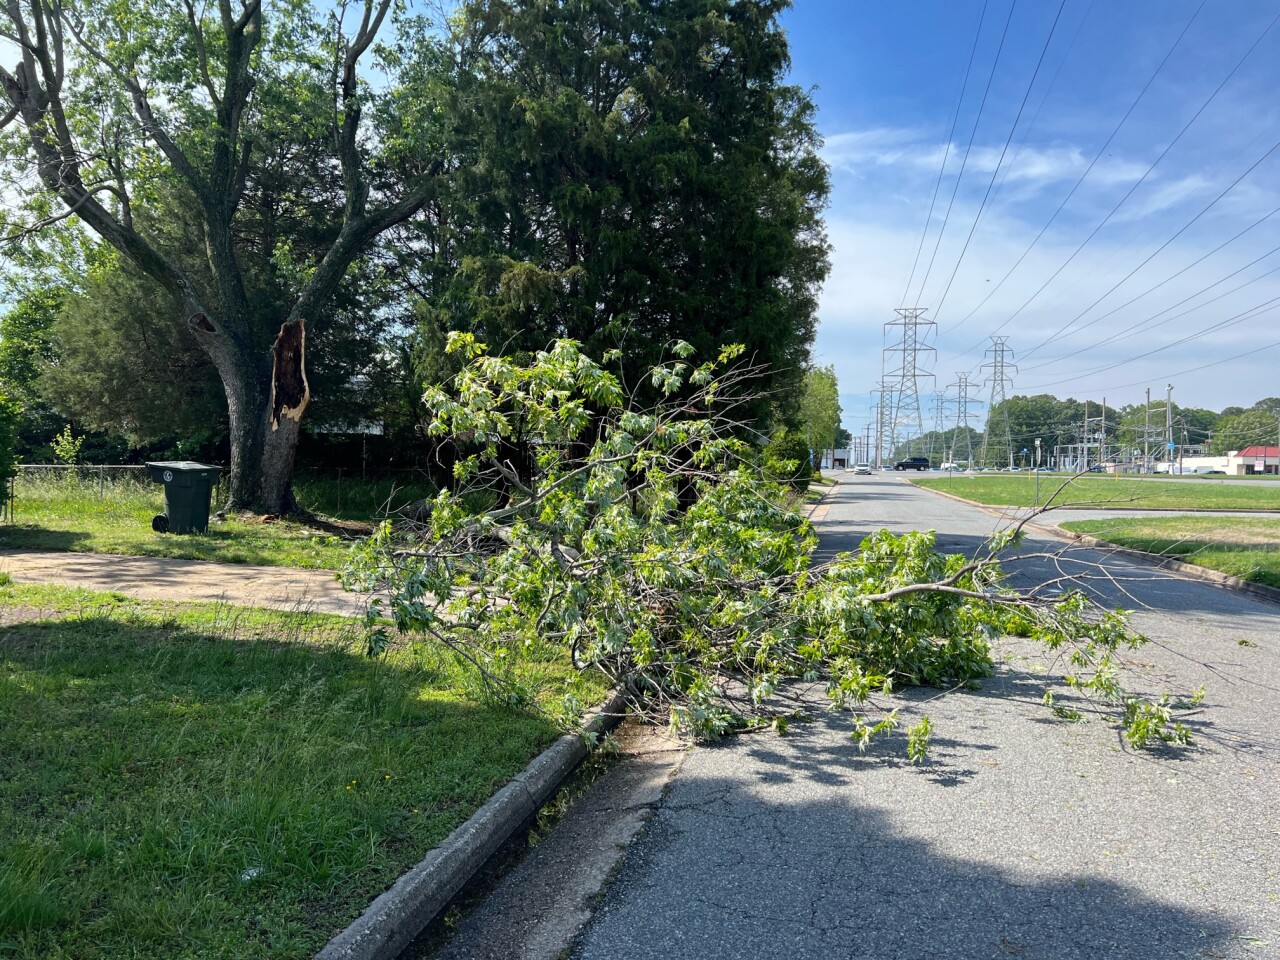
{"type": "Point", "coordinates": [167, 469]}
{"type": "Point", "coordinates": [182, 466]}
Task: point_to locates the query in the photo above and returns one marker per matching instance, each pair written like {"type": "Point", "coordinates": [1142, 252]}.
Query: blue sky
{"type": "Point", "coordinates": [887, 77]}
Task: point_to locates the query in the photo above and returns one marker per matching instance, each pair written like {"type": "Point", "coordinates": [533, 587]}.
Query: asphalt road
{"type": "Point", "coordinates": [1022, 836]}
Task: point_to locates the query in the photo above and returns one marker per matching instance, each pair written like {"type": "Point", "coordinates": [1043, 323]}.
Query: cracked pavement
{"type": "Point", "coordinates": [1022, 835]}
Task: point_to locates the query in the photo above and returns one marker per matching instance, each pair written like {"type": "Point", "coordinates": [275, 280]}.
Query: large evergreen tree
{"type": "Point", "coordinates": [629, 172]}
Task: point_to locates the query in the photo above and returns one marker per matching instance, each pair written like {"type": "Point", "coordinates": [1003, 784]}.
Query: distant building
{"type": "Point", "coordinates": [835, 459]}
{"type": "Point", "coordinates": [1251, 461]}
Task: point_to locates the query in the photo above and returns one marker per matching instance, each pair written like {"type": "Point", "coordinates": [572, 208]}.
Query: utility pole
{"type": "Point", "coordinates": [1168, 427]}
{"type": "Point", "coordinates": [1146, 436]}
{"type": "Point", "coordinates": [904, 371]}
{"type": "Point", "coordinates": [1084, 438]}
{"type": "Point", "coordinates": [880, 412]}
{"type": "Point", "coordinates": [1001, 381]}
{"type": "Point", "coordinates": [1102, 435]}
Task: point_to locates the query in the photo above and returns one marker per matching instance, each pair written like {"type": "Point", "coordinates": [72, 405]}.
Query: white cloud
{"type": "Point", "coordinates": [912, 153]}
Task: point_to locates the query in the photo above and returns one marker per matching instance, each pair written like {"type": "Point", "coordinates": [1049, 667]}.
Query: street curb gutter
{"type": "Point", "coordinates": [395, 918]}
{"type": "Point", "coordinates": [1189, 571]}
{"type": "Point", "coordinates": [812, 508]}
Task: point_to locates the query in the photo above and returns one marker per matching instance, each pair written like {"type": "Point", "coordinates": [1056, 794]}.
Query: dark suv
{"type": "Point", "coordinates": [912, 463]}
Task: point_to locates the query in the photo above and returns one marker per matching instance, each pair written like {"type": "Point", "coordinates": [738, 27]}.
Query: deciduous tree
{"type": "Point", "coordinates": [115, 107]}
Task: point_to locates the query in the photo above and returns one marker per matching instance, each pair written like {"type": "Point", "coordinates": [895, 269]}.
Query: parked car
{"type": "Point", "coordinates": [862, 469]}
{"type": "Point", "coordinates": [950, 466]}
{"type": "Point", "coordinates": [912, 463]}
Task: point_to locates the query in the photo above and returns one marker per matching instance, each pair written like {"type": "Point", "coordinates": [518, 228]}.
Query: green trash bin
{"type": "Point", "coordinates": [188, 488]}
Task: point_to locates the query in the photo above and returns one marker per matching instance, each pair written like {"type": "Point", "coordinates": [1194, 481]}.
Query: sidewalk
{"type": "Point", "coordinates": [164, 578]}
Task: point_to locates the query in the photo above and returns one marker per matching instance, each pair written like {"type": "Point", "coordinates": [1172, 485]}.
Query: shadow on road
{"type": "Point", "coordinates": [795, 866]}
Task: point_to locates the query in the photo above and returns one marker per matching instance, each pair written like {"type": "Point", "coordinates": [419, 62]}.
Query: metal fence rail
{"type": "Point", "coordinates": [344, 482]}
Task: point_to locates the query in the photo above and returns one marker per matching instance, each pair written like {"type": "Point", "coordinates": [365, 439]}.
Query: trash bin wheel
{"type": "Point", "coordinates": [160, 523]}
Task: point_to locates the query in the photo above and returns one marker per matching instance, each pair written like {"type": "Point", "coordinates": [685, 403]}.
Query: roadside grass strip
{"type": "Point", "coordinates": [1244, 547]}
{"type": "Point", "coordinates": [1019, 490]}
{"type": "Point", "coordinates": [76, 515]}
{"type": "Point", "coordinates": [210, 781]}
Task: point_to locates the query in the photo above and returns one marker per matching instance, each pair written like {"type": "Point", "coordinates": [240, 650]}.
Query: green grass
{"type": "Point", "coordinates": [76, 514]}
{"type": "Point", "coordinates": [207, 781]}
{"type": "Point", "coordinates": [1018, 490]}
{"type": "Point", "coordinates": [354, 499]}
{"type": "Point", "coordinates": [1246, 547]}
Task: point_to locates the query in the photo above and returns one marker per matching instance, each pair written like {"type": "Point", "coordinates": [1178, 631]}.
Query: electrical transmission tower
{"type": "Point", "coordinates": [962, 439]}
{"type": "Point", "coordinates": [1001, 380]}
{"type": "Point", "coordinates": [880, 417]}
{"type": "Point", "coordinates": [938, 435]}
{"type": "Point", "coordinates": [904, 373]}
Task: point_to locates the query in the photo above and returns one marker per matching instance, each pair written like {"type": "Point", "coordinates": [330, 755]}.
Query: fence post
{"type": "Point", "coordinates": [102, 479]}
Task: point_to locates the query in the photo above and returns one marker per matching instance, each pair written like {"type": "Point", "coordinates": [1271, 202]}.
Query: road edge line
{"type": "Point", "coordinates": [398, 915]}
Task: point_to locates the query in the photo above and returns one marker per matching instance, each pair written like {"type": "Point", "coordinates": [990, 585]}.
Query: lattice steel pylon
{"type": "Point", "coordinates": [882, 409]}
{"type": "Point", "coordinates": [938, 435]}
{"type": "Point", "coordinates": [904, 377]}
{"type": "Point", "coordinates": [963, 436]}
{"type": "Point", "coordinates": [1001, 381]}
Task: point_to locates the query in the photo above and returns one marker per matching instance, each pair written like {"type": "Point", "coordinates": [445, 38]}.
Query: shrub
{"type": "Point", "coordinates": [787, 459]}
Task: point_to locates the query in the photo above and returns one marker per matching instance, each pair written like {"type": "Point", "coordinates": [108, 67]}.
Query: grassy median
{"type": "Point", "coordinates": [1019, 490]}
{"type": "Point", "coordinates": [210, 781]}
{"type": "Point", "coordinates": [1245, 547]}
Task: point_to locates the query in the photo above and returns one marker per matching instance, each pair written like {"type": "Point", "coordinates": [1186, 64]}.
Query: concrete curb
{"type": "Point", "coordinates": [1188, 571]}
{"type": "Point", "coordinates": [391, 922]}
{"type": "Point", "coordinates": [812, 508]}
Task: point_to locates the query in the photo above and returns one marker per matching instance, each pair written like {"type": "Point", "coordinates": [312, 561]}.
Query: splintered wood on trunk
{"type": "Point", "coordinates": [289, 389]}
{"type": "Point", "coordinates": [289, 396]}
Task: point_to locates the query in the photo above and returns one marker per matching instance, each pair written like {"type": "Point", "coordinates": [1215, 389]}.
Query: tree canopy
{"type": "Point", "coordinates": [248, 121]}
{"type": "Point", "coordinates": [628, 174]}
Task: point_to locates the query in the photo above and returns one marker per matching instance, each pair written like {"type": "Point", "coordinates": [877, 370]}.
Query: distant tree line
{"type": "Point", "coordinates": [1122, 430]}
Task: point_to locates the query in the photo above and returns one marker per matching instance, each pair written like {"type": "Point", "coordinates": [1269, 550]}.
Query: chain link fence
{"type": "Point", "coordinates": [354, 493]}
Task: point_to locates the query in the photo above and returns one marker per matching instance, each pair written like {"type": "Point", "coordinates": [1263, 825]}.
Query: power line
{"type": "Point", "coordinates": [1171, 277]}
{"type": "Point", "coordinates": [1092, 163]}
{"type": "Point", "coordinates": [968, 148]}
{"type": "Point", "coordinates": [1145, 175]}
{"type": "Point", "coordinates": [964, 85]}
{"type": "Point", "coordinates": [1022, 141]}
{"type": "Point", "coordinates": [1008, 140]}
{"type": "Point", "coordinates": [1063, 329]}
{"type": "Point", "coordinates": [1253, 351]}
{"type": "Point", "coordinates": [1138, 327]}
{"type": "Point", "coordinates": [1255, 311]}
